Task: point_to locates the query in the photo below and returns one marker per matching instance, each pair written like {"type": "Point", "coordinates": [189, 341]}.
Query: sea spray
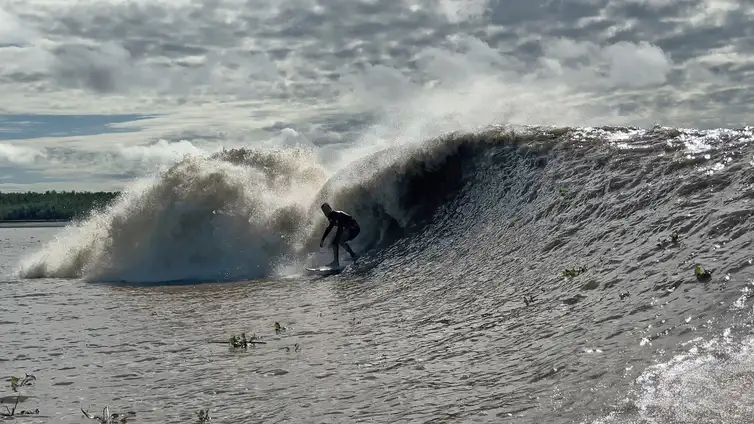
{"type": "Point", "coordinates": [226, 217]}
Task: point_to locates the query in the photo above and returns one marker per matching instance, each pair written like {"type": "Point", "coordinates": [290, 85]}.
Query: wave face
{"type": "Point", "coordinates": [639, 209]}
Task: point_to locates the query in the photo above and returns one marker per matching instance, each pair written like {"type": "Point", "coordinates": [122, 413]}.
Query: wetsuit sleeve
{"type": "Point", "coordinates": [327, 230]}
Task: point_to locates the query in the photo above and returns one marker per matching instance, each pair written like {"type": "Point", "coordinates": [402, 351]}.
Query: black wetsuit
{"type": "Point", "coordinates": [348, 229]}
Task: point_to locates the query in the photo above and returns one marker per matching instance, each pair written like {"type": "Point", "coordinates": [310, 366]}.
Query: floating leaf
{"type": "Point", "coordinates": [574, 272]}
{"type": "Point", "coordinates": [702, 274]}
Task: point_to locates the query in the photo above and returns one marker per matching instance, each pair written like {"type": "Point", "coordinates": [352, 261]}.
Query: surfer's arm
{"type": "Point", "coordinates": [327, 231]}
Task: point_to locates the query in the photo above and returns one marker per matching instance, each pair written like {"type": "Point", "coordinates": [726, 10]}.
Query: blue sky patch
{"type": "Point", "coordinates": [24, 127]}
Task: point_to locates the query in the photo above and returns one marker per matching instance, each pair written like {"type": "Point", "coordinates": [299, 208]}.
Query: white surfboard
{"type": "Point", "coordinates": [324, 270]}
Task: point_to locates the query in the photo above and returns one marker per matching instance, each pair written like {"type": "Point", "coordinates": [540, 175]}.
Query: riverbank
{"type": "Point", "coordinates": [51, 206]}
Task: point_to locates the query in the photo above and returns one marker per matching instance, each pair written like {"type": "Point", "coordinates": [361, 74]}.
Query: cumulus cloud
{"type": "Point", "coordinates": [620, 65]}
{"type": "Point", "coordinates": [19, 155]}
{"type": "Point", "coordinates": [367, 72]}
{"type": "Point", "coordinates": [166, 54]}
{"type": "Point", "coordinates": [12, 30]}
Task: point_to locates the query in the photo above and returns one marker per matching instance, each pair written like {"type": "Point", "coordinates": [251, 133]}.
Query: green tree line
{"type": "Point", "coordinates": [51, 205]}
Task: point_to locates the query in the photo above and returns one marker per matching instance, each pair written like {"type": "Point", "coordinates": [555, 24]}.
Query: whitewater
{"type": "Point", "coordinates": [519, 274]}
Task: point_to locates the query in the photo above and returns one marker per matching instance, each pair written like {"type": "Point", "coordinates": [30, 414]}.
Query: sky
{"type": "Point", "coordinates": [98, 92]}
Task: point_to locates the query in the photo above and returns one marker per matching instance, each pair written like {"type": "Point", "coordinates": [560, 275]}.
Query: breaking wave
{"type": "Point", "coordinates": [248, 214]}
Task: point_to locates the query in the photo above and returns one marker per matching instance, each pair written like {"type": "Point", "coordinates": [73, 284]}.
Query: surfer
{"type": "Point", "coordinates": [348, 229]}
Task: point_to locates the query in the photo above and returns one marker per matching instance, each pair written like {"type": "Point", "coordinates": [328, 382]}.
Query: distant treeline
{"type": "Point", "coordinates": [51, 205]}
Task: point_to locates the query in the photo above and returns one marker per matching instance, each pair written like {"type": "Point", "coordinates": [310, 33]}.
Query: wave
{"type": "Point", "coordinates": [248, 214]}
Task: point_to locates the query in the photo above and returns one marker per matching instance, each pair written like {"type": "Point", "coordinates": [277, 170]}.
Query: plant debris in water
{"type": "Point", "coordinates": [15, 384]}
{"type": "Point", "coordinates": [296, 348]}
{"type": "Point", "coordinates": [702, 274]}
{"type": "Point", "coordinates": [673, 239]}
{"type": "Point", "coordinates": [243, 342]}
{"type": "Point", "coordinates": [108, 418]}
{"type": "Point", "coordinates": [574, 272]}
{"type": "Point", "coordinates": [203, 415]}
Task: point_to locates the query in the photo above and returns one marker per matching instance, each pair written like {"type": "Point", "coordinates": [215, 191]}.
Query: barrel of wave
{"type": "Point", "coordinates": [390, 192]}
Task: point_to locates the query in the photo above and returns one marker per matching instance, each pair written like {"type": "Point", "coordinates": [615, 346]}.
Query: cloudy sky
{"type": "Point", "coordinates": [97, 92]}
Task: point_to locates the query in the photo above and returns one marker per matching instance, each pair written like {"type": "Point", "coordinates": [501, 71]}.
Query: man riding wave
{"type": "Point", "coordinates": [348, 229]}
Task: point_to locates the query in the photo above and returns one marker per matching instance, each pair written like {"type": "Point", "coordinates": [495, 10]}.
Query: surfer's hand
{"type": "Point", "coordinates": [321, 243]}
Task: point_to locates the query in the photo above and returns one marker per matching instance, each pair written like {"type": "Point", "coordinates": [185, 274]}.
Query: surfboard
{"type": "Point", "coordinates": [324, 270]}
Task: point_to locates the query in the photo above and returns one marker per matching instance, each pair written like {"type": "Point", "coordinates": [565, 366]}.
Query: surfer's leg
{"type": "Point", "coordinates": [351, 234]}
{"type": "Point", "coordinates": [336, 246]}
{"type": "Point", "coordinates": [349, 250]}
{"type": "Point", "coordinates": [335, 253]}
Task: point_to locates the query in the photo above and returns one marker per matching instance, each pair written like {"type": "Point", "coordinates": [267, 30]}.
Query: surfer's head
{"type": "Point", "coordinates": [326, 209]}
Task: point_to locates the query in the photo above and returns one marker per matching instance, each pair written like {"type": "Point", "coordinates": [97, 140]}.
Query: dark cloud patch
{"type": "Point", "coordinates": [501, 37]}
{"type": "Point", "coordinates": [696, 41]}
{"type": "Point", "coordinates": [726, 95]}
{"type": "Point", "coordinates": [529, 50]}
{"type": "Point", "coordinates": [278, 126]}
{"type": "Point", "coordinates": [279, 53]}
{"type": "Point", "coordinates": [590, 30]}
{"type": "Point", "coordinates": [344, 124]}
{"type": "Point", "coordinates": [140, 48]}
{"type": "Point", "coordinates": [741, 73]}
{"type": "Point", "coordinates": [531, 14]}
{"type": "Point", "coordinates": [515, 13]}
{"type": "Point", "coordinates": [88, 67]}
{"type": "Point", "coordinates": [654, 12]}
{"type": "Point", "coordinates": [162, 25]}
{"type": "Point", "coordinates": [742, 22]}
{"type": "Point", "coordinates": [24, 77]}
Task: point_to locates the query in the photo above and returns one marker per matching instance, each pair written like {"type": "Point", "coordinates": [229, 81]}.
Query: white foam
{"type": "Point", "coordinates": [709, 383]}
{"type": "Point", "coordinates": [203, 218]}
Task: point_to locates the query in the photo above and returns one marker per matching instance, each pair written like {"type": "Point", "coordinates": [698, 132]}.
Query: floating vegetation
{"type": "Point", "coordinates": [702, 274]}
{"type": "Point", "coordinates": [296, 348]}
{"type": "Point", "coordinates": [203, 415]}
{"type": "Point", "coordinates": [673, 239]}
{"type": "Point", "coordinates": [570, 273]}
{"type": "Point", "coordinates": [15, 384]}
{"type": "Point", "coordinates": [563, 191]}
{"type": "Point", "coordinates": [243, 342]}
{"type": "Point", "coordinates": [108, 418]}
